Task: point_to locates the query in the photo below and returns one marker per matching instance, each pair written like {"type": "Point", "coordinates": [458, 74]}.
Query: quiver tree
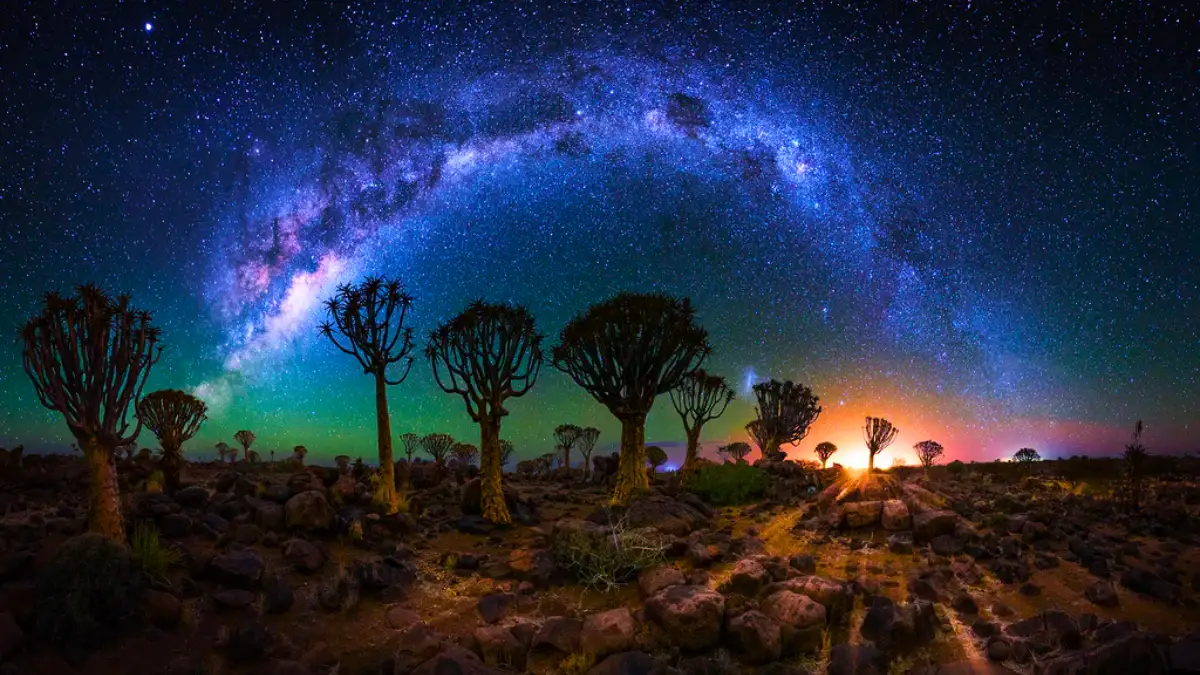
{"type": "Point", "coordinates": [928, 452]}
{"type": "Point", "coordinates": [224, 450]}
{"type": "Point", "coordinates": [1135, 464]}
{"type": "Point", "coordinates": [699, 399]}
{"type": "Point", "coordinates": [506, 453]}
{"type": "Point", "coordinates": [586, 444]}
{"type": "Point", "coordinates": [567, 435]}
{"type": "Point", "coordinates": [738, 451]}
{"type": "Point", "coordinates": [411, 443]}
{"type": "Point", "coordinates": [760, 435]}
{"type": "Point", "coordinates": [88, 357]}
{"type": "Point", "coordinates": [625, 351]}
{"type": "Point", "coordinates": [437, 446]}
{"type": "Point", "coordinates": [487, 354]}
{"type": "Point", "coordinates": [299, 453]}
{"type": "Point", "coordinates": [464, 454]}
{"type": "Point", "coordinates": [1026, 455]}
{"type": "Point", "coordinates": [878, 433]}
{"type": "Point", "coordinates": [824, 451]}
{"type": "Point", "coordinates": [174, 417]}
{"type": "Point", "coordinates": [786, 410]}
{"type": "Point", "coordinates": [245, 438]}
{"type": "Point", "coordinates": [343, 463]}
{"type": "Point", "coordinates": [655, 457]}
{"type": "Point", "coordinates": [370, 320]}
{"type": "Point", "coordinates": [723, 453]}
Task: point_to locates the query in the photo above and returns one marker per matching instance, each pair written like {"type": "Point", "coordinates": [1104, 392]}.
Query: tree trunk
{"type": "Point", "coordinates": [171, 464]}
{"type": "Point", "coordinates": [870, 461]}
{"type": "Point", "coordinates": [824, 461]}
{"type": "Point", "coordinates": [104, 514]}
{"type": "Point", "coordinates": [631, 472]}
{"type": "Point", "coordinates": [385, 495]}
{"type": "Point", "coordinates": [693, 448]}
{"type": "Point", "coordinates": [567, 458]}
{"type": "Point", "coordinates": [491, 474]}
{"type": "Point", "coordinates": [587, 465]}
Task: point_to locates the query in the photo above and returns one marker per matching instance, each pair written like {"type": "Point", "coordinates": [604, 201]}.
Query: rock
{"type": "Point", "coordinates": [287, 667]}
{"type": "Point", "coordinates": [377, 575]}
{"type": "Point", "coordinates": [835, 596]}
{"type": "Point", "coordinates": [861, 514]}
{"type": "Point", "coordinates": [400, 618]}
{"type": "Point", "coordinates": [895, 515]}
{"type": "Point", "coordinates": [700, 554]}
{"type": "Point", "coordinates": [930, 524]}
{"type": "Point", "coordinates": [900, 544]}
{"type": "Point", "coordinates": [497, 646]}
{"type": "Point", "coordinates": [673, 517]}
{"type": "Point", "coordinates": [691, 616]}
{"type": "Point", "coordinates": [654, 579]}
{"type": "Point", "coordinates": [757, 636]}
{"type": "Point", "coordinates": [999, 650]}
{"type": "Point", "coordinates": [805, 564]}
{"type": "Point", "coordinates": [559, 633]}
{"type": "Point", "coordinates": [1103, 594]}
{"type": "Point", "coordinates": [242, 569]}
{"type": "Point", "coordinates": [847, 659]}
{"type": "Point", "coordinates": [277, 594]}
{"type": "Point", "coordinates": [233, 598]}
{"type": "Point", "coordinates": [627, 663]}
{"type": "Point", "coordinates": [747, 578]}
{"type": "Point", "coordinates": [965, 604]}
{"type": "Point", "coordinates": [11, 636]}
{"type": "Point", "coordinates": [249, 642]}
{"type": "Point", "coordinates": [162, 609]}
{"type": "Point", "coordinates": [308, 511]}
{"type": "Point", "coordinates": [247, 533]}
{"type": "Point", "coordinates": [1133, 653]}
{"type": "Point", "coordinates": [192, 497]}
{"type": "Point", "coordinates": [946, 545]}
{"type": "Point", "coordinates": [533, 565]}
{"type": "Point", "coordinates": [607, 632]}
{"type": "Point", "coordinates": [495, 606]}
{"type": "Point", "coordinates": [454, 660]}
{"type": "Point", "coordinates": [174, 526]}
{"type": "Point", "coordinates": [1184, 655]}
{"type": "Point", "coordinates": [898, 629]}
{"type": "Point", "coordinates": [303, 555]}
{"type": "Point", "coordinates": [266, 514]}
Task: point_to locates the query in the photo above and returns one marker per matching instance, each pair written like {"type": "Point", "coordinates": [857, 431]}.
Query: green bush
{"type": "Point", "coordinates": [149, 554]}
{"type": "Point", "coordinates": [728, 484]}
{"type": "Point", "coordinates": [606, 557]}
{"type": "Point", "coordinates": [956, 468]}
{"type": "Point", "coordinates": [90, 592]}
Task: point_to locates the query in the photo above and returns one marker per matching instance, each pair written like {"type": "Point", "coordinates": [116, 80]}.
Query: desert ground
{"type": "Point", "coordinates": [281, 568]}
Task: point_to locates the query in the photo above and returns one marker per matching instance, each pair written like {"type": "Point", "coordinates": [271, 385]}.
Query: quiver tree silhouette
{"type": "Point", "coordinates": [506, 452]}
{"type": "Point", "coordinates": [625, 351]}
{"type": "Point", "coordinates": [738, 451]}
{"type": "Point", "coordinates": [567, 436]}
{"type": "Point", "coordinates": [878, 433]}
{"type": "Point", "coordinates": [760, 435]}
{"type": "Point", "coordinates": [723, 453]}
{"type": "Point", "coordinates": [824, 451]}
{"type": "Point", "coordinates": [786, 410]}
{"type": "Point", "coordinates": [1026, 455]}
{"type": "Point", "coordinates": [928, 452]}
{"type": "Point", "coordinates": [437, 446]}
{"type": "Point", "coordinates": [487, 354]}
{"type": "Point", "coordinates": [224, 450]}
{"type": "Point", "coordinates": [174, 417]}
{"type": "Point", "coordinates": [411, 443]}
{"type": "Point", "coordinates": [586, 444]}
{"type": "Point", "coordinates": [464, 454]}
{"type": "Point", "coordinates": [245, 438]}
{"type": "Point", "coordinates": [88, 357]}
{"type": "Point", "coordinates": [299, 453]}
{"type": "Point", "coordinates": [655, 457]}
{"type": "Point", "coordinates": [342, 462]}
{"type": "Point", "coordinates": [1135, 463]}
{"type": "Point", "coordinates": [699, 399]}
{"type": "Point", "coordinates": [370, 318]}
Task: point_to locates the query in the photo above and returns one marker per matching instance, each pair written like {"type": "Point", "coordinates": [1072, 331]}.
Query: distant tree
{"type": "Point", "coordinates": [760, 435]}
{"type": "Point", "coordinates": [878, 433]}
{"type": "Point", "coordinates": [825, 451]}
{"type": "Point", "coordinates": [786, 410]}
{"type": "Point", "coordinates": [371, 319]}
{"type": "Point", "coordinates": [252, 456]}
{"type": "Point", "coordinates": [587, 443]}
{"type": "Point", "coordinates": [928, 452]}
{"type": "Point", "coordinates": [464, 453]}
{"type": "Point", "coordinates": [699, 399]}
{"type": "Point", "coordinates": [245, 439]}
{"type": "Point", "coordinates": [506, 452]}
{"type": "Point", "coordinates": [898, 462]}
{"type": "Point", "coordinates": [738, 451]}
{"type": "Point", "coordinates": [88, 357]}
{"type": "Point", "coordinates": [487, 354]}
{"type": "Point", "coordinates": [723, 453]}
{"type": "Point", "coordinates": [174, 417]}
{"type": "Point", "coordinates": [1135, 463]}
{"type": "Point", "coordinates": [437, 446]}
{"type": "Point", "coordinates": [343, 463]}
{"type": "Point", "coordinates": [956, 468]}
{"type": "Point", "coordinates": [1026, 455]}
{"type": "Point", "coordinates": [626, 351]}
{"type": "Point", "coordinates": [655, 457]}
{"type": "Point", "coordinates": [411, 443]}
{"type": "Point", "coordinates": [567, 435]}
{"type": "Point", "coordinates": [299, 453]}
{"type": "Point", "coordinates": [223, 451]}
{"type": "Point", "coordinates": [272, 455]}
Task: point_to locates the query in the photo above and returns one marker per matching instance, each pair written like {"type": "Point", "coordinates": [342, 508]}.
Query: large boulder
{"type": "Point", "coordinates": [499, 647]}
{"type": "Point", "coordinates": [899, 629]}
{"type": "Point", "coordinates": [895, 515]}
{"type": "Point", "coordinates": [835, 596]}
{"type": "Point", "coordinates": [608, 632]}
{"type": "Point", "coordinates": [861, 514]}
{"type": "Point", "coordinates": [801, 618]}
{"type": "Point", "coordinates": [653, 579]}
{"type": "Point", "coordinates": [930, 524]}
{"type": "Point", "coordinates": [757, 636]}
{"type": "Point", "coordinates": [747, 578]}
{"type": "Point", "coordinates": [303, 555]}
{"type": "Point", "coordinates": [241, 569]}
{"type": "Point", "coordinates": [691, 616]}
{"type": "Point", "coordinates": [674, 517]}
{"type": "Point", "coordinates": [1102, 593]}
{"type": "Point", "coordinates": [308, 511]}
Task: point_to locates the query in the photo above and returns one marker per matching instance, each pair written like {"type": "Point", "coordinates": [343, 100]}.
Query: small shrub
{"type": "Point", "coordinates": [956, 468]}
{"type": "Point", "coordinates": [606, 557]}
{"type": "Point", "coordinates": [149, 554]}
{"type": "Point", "coordinates": [729, 484]}
{"type": "Point", "coordinates": [89, 593]}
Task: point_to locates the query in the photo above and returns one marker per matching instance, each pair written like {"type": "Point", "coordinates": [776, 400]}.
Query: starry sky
{"type": "Point", "coordinates": [978, 221]}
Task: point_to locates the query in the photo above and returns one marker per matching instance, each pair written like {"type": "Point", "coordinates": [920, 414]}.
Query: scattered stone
{"type": "Point", "coordinates": [242, 569]}
{"type": "Point", "coordinates": [495, 606]}
{"type": "Point", "coordinates": [308, 511]}
{"type": "Point", "coordinates": [805, 564]}
{"type": "Point", "coordinates": [691, 616]}
{"type": "Point", "coordinates": [861, 514]}
{"type": "Point", "coordinates": [233, 598]}
{"type": "Point", "coordinates": [655, 579]}
{"type": "Point", "coordinates": [1103, 594]}
{"type": "Point", "coordinates": [895, 515]}
{"type": "Point", "coordinates": [162, 609]}
{"type": "Point", "coordinates": [757, 636]}
{"type": "Point", "coordinates": [607, 632]}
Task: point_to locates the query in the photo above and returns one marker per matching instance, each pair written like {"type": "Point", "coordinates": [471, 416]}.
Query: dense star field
{"type": "Point", "coordinates": [978, 223]}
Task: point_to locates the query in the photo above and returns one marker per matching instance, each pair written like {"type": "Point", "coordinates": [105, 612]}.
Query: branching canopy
{"type": "Point", "coordinates": [825, 450]}
{"type": "Point", "coordinates": [787, 410]}
{"type": "Point", "coordinates": [173, 416]}
{"type": "Point", "coordinates": [437, 446]}
{"type": "Point", "coordinates": [878, 433]}
{"type": "Point", "coordinates": [700, 398]}
{"type": "Point", "coordinates": [928, 452]}
{"type": "Point", "coordinates": [370, 318]}
{"type": "Point", "coordinates": [1026, 455]}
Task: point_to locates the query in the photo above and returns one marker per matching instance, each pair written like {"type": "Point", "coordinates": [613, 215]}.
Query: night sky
{"type": "Point", "coordinates": [979, 222]}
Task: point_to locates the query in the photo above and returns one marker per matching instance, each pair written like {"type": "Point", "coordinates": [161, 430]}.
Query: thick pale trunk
{"type": "Point", "coordinates": [385, 495]}
{"type": "Point", "coordinates": [631, 472]}
{"type": "Point", "coordinates": [587, 465]}
{"type": "Point", "coordinates": [824, 461]}
{"type": "Point", "coordinates": [491, 474]}
{"type": "Point", "coordinates": [104, 514]}
{"type": "Point", "coordinates": [870, 461]}
{"type": "Point", "coordinates": [171, 465]}
{"type": "Point", "coordinates": [566, 457]}
{"type": "Point", "coordinates": [693, 448]}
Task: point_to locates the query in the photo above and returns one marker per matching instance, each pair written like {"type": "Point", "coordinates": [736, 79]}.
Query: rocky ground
{"type": "Point", "coordinates": [286, 570]}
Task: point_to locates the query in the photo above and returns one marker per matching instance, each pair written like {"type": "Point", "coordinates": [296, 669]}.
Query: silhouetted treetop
{"type": "Point", "coordinates": [371, 318]}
